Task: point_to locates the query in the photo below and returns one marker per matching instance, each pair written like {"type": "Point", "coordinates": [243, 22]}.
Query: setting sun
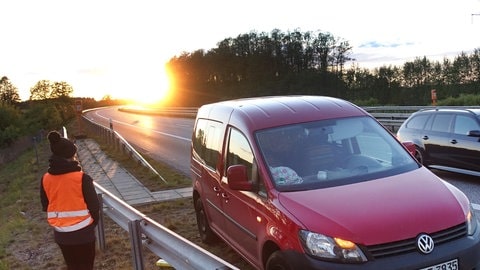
{"type": "Point", "coordinates": [142, 87]}
{"type": "Point", "coordinates": [153, 90]}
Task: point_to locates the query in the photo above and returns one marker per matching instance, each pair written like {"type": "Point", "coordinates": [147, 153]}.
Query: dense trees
{"type": "Point", "coordinates": [45, 89]}
{"type": "Point", "coordinates": [256, 64]}
{"type": "Point", "coordinates": [279, 63]}
{"type": "Point", "coordinates": [9, 114]}
{"type": "Point", "coordinates": [8, 92]}
{"type": "Point", "coordinates": [50, 106]}
{"type": "Point", "coordinates": [9, 124]}
{"type": "Point", "coordinates": [262, 64]}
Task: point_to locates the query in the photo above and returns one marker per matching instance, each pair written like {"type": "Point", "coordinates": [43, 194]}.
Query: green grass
{"type": "Point", "coordinates": [23, 228]}
{"type": "Point", "coordinates": [149, 179]}
{"type": "Point", "coordinates": [26, 240]}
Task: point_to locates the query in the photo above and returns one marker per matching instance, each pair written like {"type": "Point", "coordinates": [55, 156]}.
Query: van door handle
{"type": "Point", "coordinates": [453, 141]}
{"type": "Point", "coordinates": [425, 137]}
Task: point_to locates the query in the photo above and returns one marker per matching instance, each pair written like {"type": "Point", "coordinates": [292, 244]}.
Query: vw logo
{"type": "Point", "coordinates": [425, 243]}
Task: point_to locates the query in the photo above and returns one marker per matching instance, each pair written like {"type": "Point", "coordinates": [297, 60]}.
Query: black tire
{"type": "Point", "coordinates": [206, 234]}
{"type": "Point", "coordinates": [278, 261]}
{"type": "Point", "coordinates": [419, 155]}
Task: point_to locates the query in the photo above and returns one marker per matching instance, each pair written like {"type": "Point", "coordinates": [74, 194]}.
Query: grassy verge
{"type": "Point", "coordinates": [23, 230]}
{"type": "Point", "coordinates": [26, 240]}
{"type": "Point", "coordinates": [176, 215]}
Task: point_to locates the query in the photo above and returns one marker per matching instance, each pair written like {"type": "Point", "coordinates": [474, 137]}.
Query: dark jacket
{"type": "Point", "coordinates": [58, 166]}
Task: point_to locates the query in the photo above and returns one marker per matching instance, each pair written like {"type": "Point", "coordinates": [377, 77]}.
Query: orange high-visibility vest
{"type": "Point", "coordinates": [67, 210]}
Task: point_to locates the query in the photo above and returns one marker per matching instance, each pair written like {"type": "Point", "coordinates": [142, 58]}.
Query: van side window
{"type": "Point", "coordinates": [240, 153]}
{"type": "Point", "coordinates": [207, 142]}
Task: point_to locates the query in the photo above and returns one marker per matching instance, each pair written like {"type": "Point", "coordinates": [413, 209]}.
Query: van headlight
{"type": "Point", "coordinates": [471, 222]}
{"type": "Point", "coordinates": [332, 249]}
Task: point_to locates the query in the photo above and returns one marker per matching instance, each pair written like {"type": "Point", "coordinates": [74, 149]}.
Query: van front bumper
{"type": "Point", "coordinates": [466, 250]}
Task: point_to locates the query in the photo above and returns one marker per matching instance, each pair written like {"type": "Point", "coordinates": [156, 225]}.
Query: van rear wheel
{"type": "Point", "coordinates": [277, 261]}
{"type": "Point", "coordinates": [206, 233]}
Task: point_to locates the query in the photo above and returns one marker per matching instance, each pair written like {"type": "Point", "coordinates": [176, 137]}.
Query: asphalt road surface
{"type": "Point", "coordinates": [167, 139]}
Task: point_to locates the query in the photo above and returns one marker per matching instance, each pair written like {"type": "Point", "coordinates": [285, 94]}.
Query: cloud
{"type": "Point", "coordinates": [378, 44]}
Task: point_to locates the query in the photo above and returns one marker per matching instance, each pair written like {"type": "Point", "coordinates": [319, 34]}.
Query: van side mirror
{"type": "Point", "coordinates": [238, 179]}
{"type": "Point", "coordinates": [410, 147]}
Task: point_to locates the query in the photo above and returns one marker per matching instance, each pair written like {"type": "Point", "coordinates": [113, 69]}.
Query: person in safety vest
{"type": "Point", "coordinates": [70, 200]}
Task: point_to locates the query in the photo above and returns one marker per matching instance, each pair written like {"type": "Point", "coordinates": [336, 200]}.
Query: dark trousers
{"type": "Point", "coordinates": [79, 257]}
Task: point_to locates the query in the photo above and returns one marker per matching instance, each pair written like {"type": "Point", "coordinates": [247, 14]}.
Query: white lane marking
{"type": "Point", "coordinates": [476, 206]}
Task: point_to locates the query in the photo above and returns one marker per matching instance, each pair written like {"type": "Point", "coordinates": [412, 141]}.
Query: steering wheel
{"type": "Point", "coordinates": [359, 164]}
{"type": "Point", "coordinates": [362, 169]}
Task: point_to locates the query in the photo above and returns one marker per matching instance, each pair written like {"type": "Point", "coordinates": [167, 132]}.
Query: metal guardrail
{"type": "Point", "coordinates": [117, 140]}
{"type": "Point", "coordinates": [187, 112]}
{"type": "Point", "coordinates": [144, 231]}
{"type": "Point", "coordinates": [173, 248]}
{"type": "Point", "coordinates": [392, 117]}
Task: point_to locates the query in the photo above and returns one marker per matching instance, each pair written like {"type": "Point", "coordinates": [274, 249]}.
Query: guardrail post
{"type": "Point", "coordinates": [136, 241]}
{"type": "Point", "coordinates": [101, 225]}
{"type": "Point", "coordinates": [118, 144]}
{"type": "Point", "coordinates": [109, 137]}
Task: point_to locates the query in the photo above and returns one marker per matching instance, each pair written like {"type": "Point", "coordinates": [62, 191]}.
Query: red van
{"type": "Point", "coordinates": [310, 182]}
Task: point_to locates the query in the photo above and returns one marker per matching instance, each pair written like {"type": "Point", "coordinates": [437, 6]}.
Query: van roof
{"type": "Point", "coordinates": [264, 112]}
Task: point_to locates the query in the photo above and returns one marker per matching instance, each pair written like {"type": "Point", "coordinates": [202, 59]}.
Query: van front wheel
{"type": "Point", "coordinates": [277, 261]}
{"type": "Point", "coordinates": [206, 233]}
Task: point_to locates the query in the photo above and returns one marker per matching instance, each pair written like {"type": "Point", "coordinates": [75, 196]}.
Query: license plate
{"type": "Point", "coordinates": [450, 265]}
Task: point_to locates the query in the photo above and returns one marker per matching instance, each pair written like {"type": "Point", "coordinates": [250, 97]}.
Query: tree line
{"type": "Point", "coordinates": [281, 63]}
{"type": "Point", "coordinates": [49, 107]}
{"type": "Point", "coordinates": [259, 64]}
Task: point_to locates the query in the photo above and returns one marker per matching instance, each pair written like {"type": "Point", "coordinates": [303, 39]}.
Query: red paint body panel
{"type": "Point", "coordinates": [379, 211]}
{"type": "Point", "coordinates": [384, 197]}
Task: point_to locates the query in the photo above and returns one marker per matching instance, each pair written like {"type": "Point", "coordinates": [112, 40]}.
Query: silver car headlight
{"type": "Point", "coordinates": [332, 249]}
{"type": "Point", "coordinates": [472, 222]}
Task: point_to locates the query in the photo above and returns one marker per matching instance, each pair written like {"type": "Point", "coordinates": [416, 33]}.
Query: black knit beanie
{"type": "Point", "coordinates": [60, 146]}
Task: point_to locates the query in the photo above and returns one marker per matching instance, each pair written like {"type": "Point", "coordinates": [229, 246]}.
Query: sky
{"type": "Point", "coordinates": [119, 48]}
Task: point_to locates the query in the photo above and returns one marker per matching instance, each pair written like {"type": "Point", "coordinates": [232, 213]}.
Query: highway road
{"type": "Point", "coordinates": [162, 138]}
{"type": "Point", "coordinates": [167, 139]}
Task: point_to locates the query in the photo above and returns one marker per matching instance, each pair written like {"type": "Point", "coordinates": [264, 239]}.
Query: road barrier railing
{"type": "Point", "coordinates": [144, 231]}
{"type": "Point", "coordinates": [114, 138]}
{"type": "Point", "coordinates": [392, 117]}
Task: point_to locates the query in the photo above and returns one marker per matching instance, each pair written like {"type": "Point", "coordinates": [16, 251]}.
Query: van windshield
{"type": "Point", "coordinates": [331, 152]}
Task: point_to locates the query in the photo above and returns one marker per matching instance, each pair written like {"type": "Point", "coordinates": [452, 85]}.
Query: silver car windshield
{"type": "Point", "coordinates": [331, 152]}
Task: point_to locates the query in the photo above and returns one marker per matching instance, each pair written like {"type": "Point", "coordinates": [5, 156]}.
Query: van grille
{"type": "Point", "coordinates": [410, 245]}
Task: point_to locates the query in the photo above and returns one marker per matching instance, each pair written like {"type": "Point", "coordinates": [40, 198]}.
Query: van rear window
{"type": "Point", "coordinates": [207, 141]}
